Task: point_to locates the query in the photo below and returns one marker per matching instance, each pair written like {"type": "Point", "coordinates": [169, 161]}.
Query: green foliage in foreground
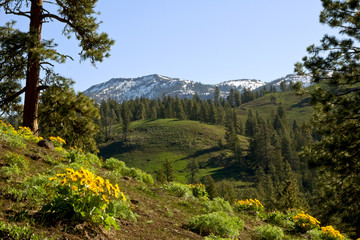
{"type": "Point", "coordinates": [335, 64]}
{"type": "Point", "coordinates": [218, 223]}
{"type": "Point", "coordinates": [119, 169]}
{"type": "Point", "coordinates": [9, 231]}
{"type": "Point", "coordinates": [268, 232]}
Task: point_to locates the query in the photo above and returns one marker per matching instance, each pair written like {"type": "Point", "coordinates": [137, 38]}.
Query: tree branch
{"type": "Point", "coordinates": [12, 97]}
{"type": "Point", "coordinates": [8, 11]}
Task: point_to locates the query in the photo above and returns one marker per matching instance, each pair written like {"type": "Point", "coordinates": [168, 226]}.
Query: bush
{"type": "Point", "coordinates": [268, 232]}
{"type": "Point", "coordinates": [199, 190]}
{"type": "Point", "coordinates": [248, 205]}
{"type": "Point", "coordinates": [179, 189]}
{"type": "Point", "coordinates": [82, 195]}
{"type": "Point", "coordinates": [9, 231]}
{"type": "Point", "coordinates": [16, 165]}
{"type": "Point", "coordinates": [122, 170]}
{"type": "Point", "coordinates": [315, 234]}
{"type": "Point", "coordinates": [218, 204]}
{"type": "Point", "coordinates": [304, 222]}
{"type": "Point", "coordinates": [281, 219]}
{"type": "Point", "coordinates": [218, 223]}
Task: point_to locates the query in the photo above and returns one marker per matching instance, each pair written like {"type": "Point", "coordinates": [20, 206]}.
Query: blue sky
{"type": "Point", "coordinates": [206, 41]}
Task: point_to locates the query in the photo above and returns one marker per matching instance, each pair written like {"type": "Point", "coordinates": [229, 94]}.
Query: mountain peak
{"type": "Point", "coordinates": [156, 85]}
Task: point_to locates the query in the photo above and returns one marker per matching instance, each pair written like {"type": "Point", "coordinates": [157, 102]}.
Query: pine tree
{"type": "Point", "coordinates": [161, 177]}
{"type": "Point", "coordinates": [179, 110]}
{"type": "Point", "coordinates": [169, 170]}
{"type": "Point", "coordinates": [78, 18]}
{"type": "Point", "coordinates": [289, 195]}
{"type": "Point", "coordinates": [336, 65]}
{"type": "Point", "coordinates": [216, 96]}
{"type": "Point", "coordinates": [193, 166]}
{"type": "Point", "coordinates": [231, 97]}
{"type": "Point", "coordinates": [125, 113]}
{"type": "Point", "coordinates": [69, 115]}
{"type": "Point", "coordinates": [210, 186]}
{"type": "Point", "coordinates": [237, 98]}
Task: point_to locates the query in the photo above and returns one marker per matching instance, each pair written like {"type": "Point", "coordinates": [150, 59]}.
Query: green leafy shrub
{"type": "Point", "coordinates": [122, 170]}
{"type": "Point", "coordinates": [281, 219]}
{"type": "Point", "coordinates": [17, 164]}
{"type": "Point", "coordinates": [179, 189]}
{"type": "Point", "coordinates": [114, 164]}
{"type": "Point", "coordinates": [82, 195]}
{"type": "Point", "coordinates": [315, 234]}
{"type": "Point", "coordinates": [268, 232]}
{"type": "Point", "coordinates": [10, 231]}
{"type": "Point", "coordinates": [199, 190]}
{"type": "Point", "coordinates": [218, 223]}
{"type": "Point", "coordinates": [217, 204]}
{"type": "Point", "coordinates": [120, 209]}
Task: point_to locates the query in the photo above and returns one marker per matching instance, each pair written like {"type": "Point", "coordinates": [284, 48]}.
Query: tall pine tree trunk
{"type": "Point", "coordinates": [33, 68]}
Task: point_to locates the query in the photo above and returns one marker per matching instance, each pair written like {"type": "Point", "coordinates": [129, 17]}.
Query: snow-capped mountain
{"type": "Point", "coordinates": [305, 80]}
{"type": "Point", "coordinates": [155, 86]}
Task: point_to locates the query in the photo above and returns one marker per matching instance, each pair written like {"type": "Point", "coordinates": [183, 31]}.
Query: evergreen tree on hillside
{"type": "Point", "coordinates": [237, 98]}
{"type": "Point", "coordinates": [336, 65]}
{"type": "Point", "coordinates": [216, 96]}
{"type": "Point", "coordinates": [69, 115]}
{"type": "Point", "coordinates": [193, 166]}
{"type": "Point", "coordinates": [79, 20]}
{"type": "Point", "coordinates": [179, 110]}
{"type": "Point", "coordinates": [169, 171]}
{"type": "Point", "coordinates": [251, 124]}
{"type": "Point", "coordinates": [231, 97]}
{"type": "Point", "coordinates": [125, 114]}
{"type": "Point", "coordinates": [210, 186]}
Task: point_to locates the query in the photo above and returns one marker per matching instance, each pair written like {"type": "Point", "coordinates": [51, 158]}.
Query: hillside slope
{"type": "Point", "coordinates": [54, 194]}
{"type": "Point", "coordinates": [150, 143]}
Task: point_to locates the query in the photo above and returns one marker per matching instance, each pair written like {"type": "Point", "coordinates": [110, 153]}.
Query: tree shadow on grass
{"type": "Point", "coordinates": [201, 152]}
{"type": "Point", "coordinates": [115, 148]}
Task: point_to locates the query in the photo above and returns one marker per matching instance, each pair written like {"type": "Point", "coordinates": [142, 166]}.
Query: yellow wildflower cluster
{"type": "Point", "coordinates": [57, 140]}
{"type": "Point", "coordinates": [249, 204]}
{"type": "Point", "coordinates": [199, 185]}
{"type": "Point", "coordinates": [306, 221]}
{"type": "Point", "coordinates": [84, 182]}
{"type": "Point", "coordinates": [330, 231]}
{"type": "Point", "coordinates": [23, 132]}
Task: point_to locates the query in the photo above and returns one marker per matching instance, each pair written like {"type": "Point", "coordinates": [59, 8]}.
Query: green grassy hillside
{"type": "Point", "coordinates": [297, 107]}
{"type": "Point", "coordinates": [64, 193]}
{"type": "Point", "coordinates": [150, 143]}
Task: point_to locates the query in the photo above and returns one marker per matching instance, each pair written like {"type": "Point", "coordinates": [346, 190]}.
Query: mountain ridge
{"type": "Point", "coordinates": [155, 86]}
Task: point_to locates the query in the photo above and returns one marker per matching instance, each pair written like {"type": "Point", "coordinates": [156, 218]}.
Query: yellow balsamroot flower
{"type": "Point", "coordinates": [53, 178]}
{"type": "Point", "coordinates": [249, 204]}
{"type": "Point", "coordinates": [123, 196]}
{"type": "Point", "coordinates": [100, 180]}
{"type": "Point", "coordinates": [329, 230]}
{"type": "Point", "coordinates": [105, 198]}
{"type": "Point", "coordinates": [75, 188]}
{"type": "Point", "coordinates": [62, 182]}
{"type": "Point", "coordinates": [108, 186]}
{"type": "Point", "coordinates": [57, 140]}
{"type": "Point", "coordinates": [306, 220]}
{"type": "Point", "coordinates": [61, 175]}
